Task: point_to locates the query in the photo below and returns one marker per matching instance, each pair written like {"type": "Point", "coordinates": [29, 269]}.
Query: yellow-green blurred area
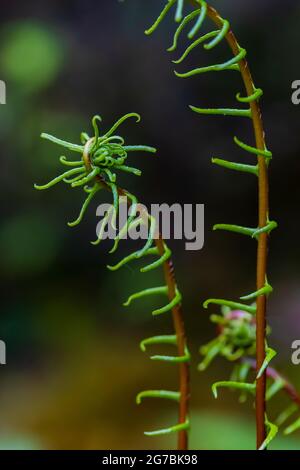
{"type": "Point", "coordinates": [74, 365]}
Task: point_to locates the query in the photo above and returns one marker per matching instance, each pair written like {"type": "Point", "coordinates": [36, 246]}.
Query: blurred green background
{"type": "Point", "coordinates": [73, 362]}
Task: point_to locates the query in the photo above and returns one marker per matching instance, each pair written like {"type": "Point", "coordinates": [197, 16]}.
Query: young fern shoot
{"type": "Point", "coordinates": [236, 342]}
{"type": "Point", "coordinates": [250, 110]}
{"type": "Point", "coordinates": [101, 158]}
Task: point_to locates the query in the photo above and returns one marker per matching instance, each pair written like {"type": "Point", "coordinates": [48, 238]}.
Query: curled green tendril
{"type": "Point", "coordinates": [114, 190]}
{"type": "Point", "coordinates": [172, 429]}
{"type": "Point", "coordinates": [84, 206]}
{"type": "Point", "coordinates": [180, 28]}
{"type": "Point", "coordinates": [270, 354]}
{"type": "Point", "coordinates": [73, 179]}
{"type": "Point", "coordinates": [223, 111]}
{"type": "Point", "coordinates": [139, 148]}
{"type": "Point", "coordinates": [159, 262]}
{"type": "Point", "coordinates": [200, 20]}
{"type": "Point", "coordinates": [249, 99]}
{"type": "Point", "coordinates": [165, 339]}
{"type": "Point", "coordinates": [66, 162]}
{"type": "Point", "coordinates": [263, 153]}
{"type": "Point", "coordinates": [63, 143]}
{"type": "Point", "coordinates": [152, 232]}
{"type": "Point", "coordinates": [222, 33]}
{"type": "Point", "coordinates": [84, 137]}
{"type": "Point", "coordinates": [96, 119]}
{"type": "Point", "coordinates": [173, 303]}
{"type": "Point", "coordinates": [166, 394]}
{"type": "Point", "coordinates": [59, 178]}
{"type": "Point", "coordinates": [109, 217]}
{"type": "Point", "coordinates": [272, 431]}
{"type": "Point", "coordinates": [253, 169]}
{"type": "Point", "coordinates": [175, 359]}
{"type": "Point", "coordinates": [155, 291]}
{"type": "Point", "coordinates": [251, 232]}
{"type": "Point", "coordinates": [146, 293]}
{"type": "Point", "coordinates": [129, 258]}
{"type": "Point", "coordinates": [120, 121]}
{"type": "Point", "coordinates": [160, 18]}
{"type": "Point", "coordinates": [235, 228]}
{"type": "Point", "coordinates": [86, 179]}
{"type": "Point", "coordinates": [209, 68]}
{"type": "Point", "coordinates": [123, 233]}
{"type": "Point", "coordinates": [235, 385]}
{"type": "Point", "coordinates": [130, 221]}
{"type": "Point", "coordinates": [129, 169]}
{"type": "Point", "coordinates": [267, 229]}
{"type": "Point", "coordinates": [192, 46]}
{"type": "Point", "coordinates": [151, 251]}
{"type": "Point", "coordinates": [266, 290]}
{"type": "Point", "coordinates": [179, 10]}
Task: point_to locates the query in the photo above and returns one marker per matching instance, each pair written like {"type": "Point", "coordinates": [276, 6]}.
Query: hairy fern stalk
{"type": "Point", "coordinates": [248, 315]}
{"type": "Point", "coordinates": [101, 158]}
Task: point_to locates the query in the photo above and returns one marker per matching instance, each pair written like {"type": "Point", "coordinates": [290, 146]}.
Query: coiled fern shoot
{"type": "Point", "coordinates": [101, 158]}
{"type": "Point", "coordinates": [236, 342]}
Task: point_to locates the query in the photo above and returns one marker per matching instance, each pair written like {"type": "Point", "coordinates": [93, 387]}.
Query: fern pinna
{"type": "Point", "coordinates": [260, 233]}
{"type": "Point", "coordinates": [100, 158]}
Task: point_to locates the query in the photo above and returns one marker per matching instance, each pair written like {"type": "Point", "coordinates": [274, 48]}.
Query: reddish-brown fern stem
{"type": "Point", "coordinates": [184, 376]}
{"type": "Point", "coordinates": [263, 210]}
{"type": "Point", "coordinates": [177, 315]}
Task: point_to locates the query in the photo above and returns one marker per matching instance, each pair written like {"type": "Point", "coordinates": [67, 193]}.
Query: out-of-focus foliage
{"type": "Point", "coordinates": [29, 244]}
{"type": "Point", "coordinates": [31, 55]}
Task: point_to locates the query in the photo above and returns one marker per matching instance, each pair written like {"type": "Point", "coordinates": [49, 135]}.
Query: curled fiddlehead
{"type": "Point", "coordinates": [236, 342]}
{"type": "Point", "coordinates": [101, 158]}
{"type": "Point", "coordinates": [250, 110]}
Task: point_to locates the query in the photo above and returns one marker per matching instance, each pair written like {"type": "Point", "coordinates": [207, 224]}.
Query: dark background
{"type": "Point", "coordinates": [73, 362]}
